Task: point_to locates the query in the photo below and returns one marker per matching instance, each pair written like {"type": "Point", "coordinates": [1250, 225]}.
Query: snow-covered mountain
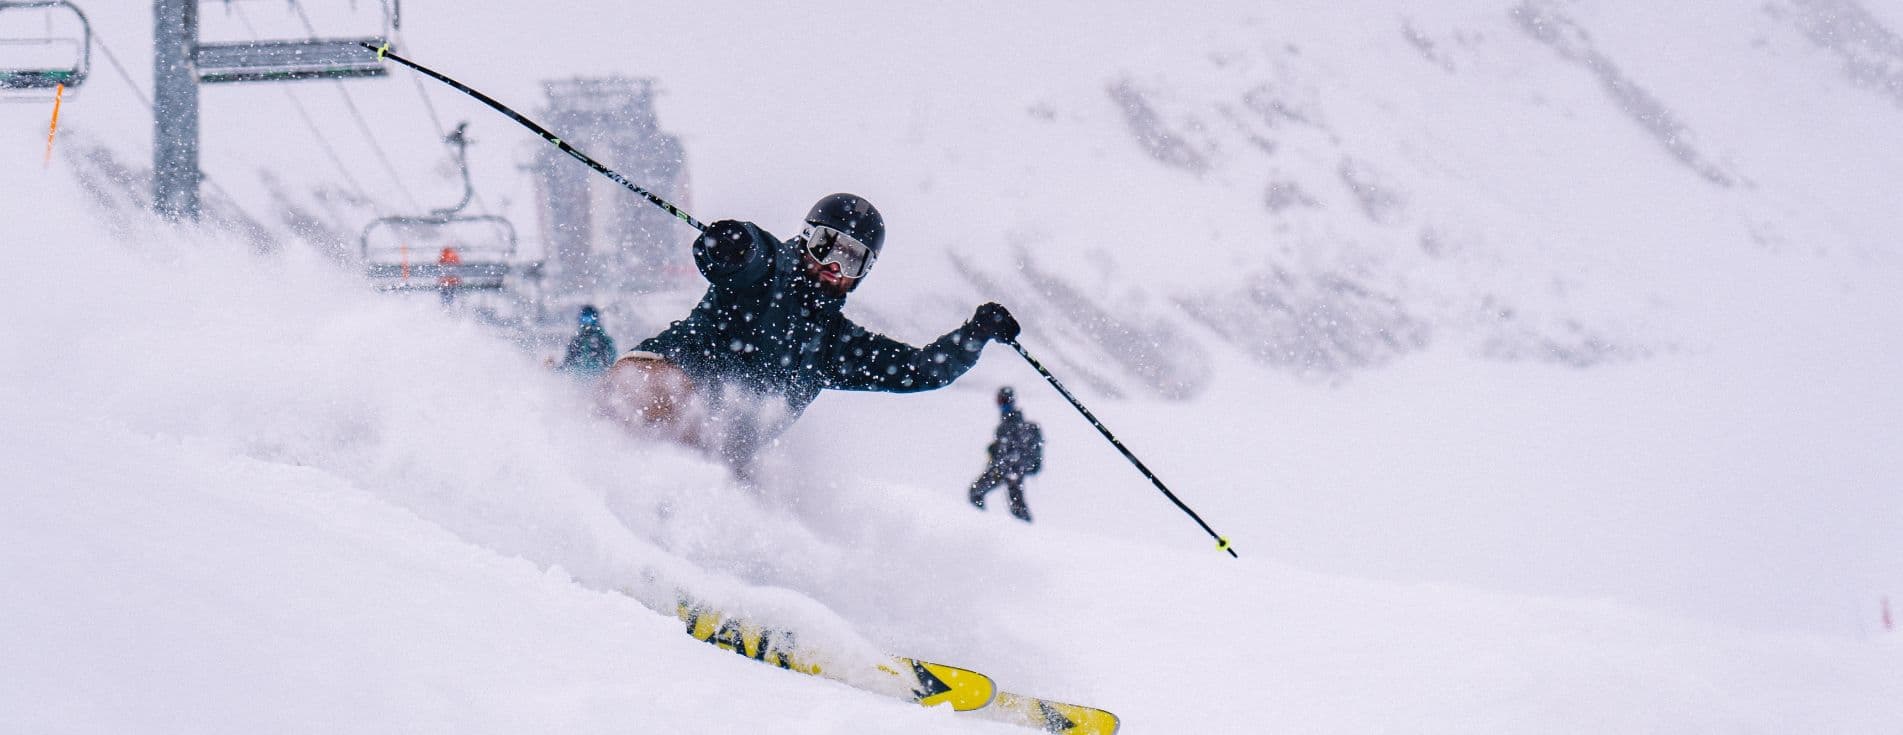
{"type": "Point", "coordinates": [1537, 356]}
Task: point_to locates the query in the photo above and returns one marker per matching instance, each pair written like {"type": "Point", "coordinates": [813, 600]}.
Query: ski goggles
{"type": "Point", "coordinates": [828, 245]}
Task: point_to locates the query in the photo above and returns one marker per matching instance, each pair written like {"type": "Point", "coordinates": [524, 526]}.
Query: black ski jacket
{"type": "Point", "coordinates": [1017, 447]}
{"type": "Point", "coordinates": [764, 325]}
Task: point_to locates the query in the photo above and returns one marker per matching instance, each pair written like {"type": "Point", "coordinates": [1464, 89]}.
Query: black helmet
{"type": "Point", "coordinates": [1006, 396]}
{"type": "Point", "coordinates": [852, 215]}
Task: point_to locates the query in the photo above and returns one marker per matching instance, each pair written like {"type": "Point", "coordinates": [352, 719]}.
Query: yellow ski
{"type": "Point", "coordinates": [1051, 716]}
{"type": "Point", "coordinates": [929, 684]}
{"type": "Point", "coordinates": [965, 690]}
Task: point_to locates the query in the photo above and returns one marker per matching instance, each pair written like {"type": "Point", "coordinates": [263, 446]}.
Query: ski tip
{"type": "Point", "coordinates": [1055, 717]}
{"type": "Point", "coordinates": [965, 690]}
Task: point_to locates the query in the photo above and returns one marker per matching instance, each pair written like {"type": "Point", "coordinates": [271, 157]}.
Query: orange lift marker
{"type": "Point", "coordinates": [59, 93]}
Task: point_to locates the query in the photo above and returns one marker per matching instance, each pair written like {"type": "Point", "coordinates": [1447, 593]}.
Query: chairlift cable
{"type": "Point", "coordinates": [655, 199]}
{"type": "Point", "coordinates": [436, 120]}
{"type": "Point", "coordinates": [311, 124]}
{"type": "Point", "coordinates": [123, 74]}
{"type": "Point", "coordinates": [375, 147]}
{"type": "Point", "coordinates": [364, 126]}
{"type": "Point", "coordinates": [331, 152]}
{"type": "Point", "coordinates": [308, 28]}
{"type": "Point", "coordinates": [481, 206]}
{"type": "Point", "coordinates": [138, 93]}
{"type": "Point", "coordinates": [350, 103]}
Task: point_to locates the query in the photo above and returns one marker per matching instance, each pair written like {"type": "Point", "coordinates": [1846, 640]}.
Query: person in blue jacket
{"type": "Point", "coordinates": [769, 335]}
{"type": "Point", "coordinates": [591, 351]}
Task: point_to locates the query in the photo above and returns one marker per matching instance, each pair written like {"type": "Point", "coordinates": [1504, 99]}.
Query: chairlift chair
{"type": "Point", "coordinates": [35, 62]}
{"type": "Point", "coordinates": [401, 253]}
{"type": "Point", "coordinates": [267, 60]}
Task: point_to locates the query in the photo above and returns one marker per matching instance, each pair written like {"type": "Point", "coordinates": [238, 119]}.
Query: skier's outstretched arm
{"type": "Point", "coordinates": [734, 254]}
{"type": "Point", "coordinates": [869, 361]}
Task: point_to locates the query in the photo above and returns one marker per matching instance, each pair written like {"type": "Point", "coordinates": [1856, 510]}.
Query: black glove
{"type": "Point", "coordinates": [726, 242]}
{"type": "Point", "coordinates": [992, 322]}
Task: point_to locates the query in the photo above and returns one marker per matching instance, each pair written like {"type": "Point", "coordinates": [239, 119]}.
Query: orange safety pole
{"type": "Point", "coordinates": [59, 94]}
{"type": "Point", "coordinates": [405, 249]}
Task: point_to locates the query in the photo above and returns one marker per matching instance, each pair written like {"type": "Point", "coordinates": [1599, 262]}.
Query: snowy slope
{"type": "Point", "coordinates": [1535, 355]}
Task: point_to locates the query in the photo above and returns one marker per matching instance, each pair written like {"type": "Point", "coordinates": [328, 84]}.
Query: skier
{"type": "Point", "coordinates": [591, 351]}
{"type": "Point", "coordinates": [1016, 450]}
{"type": "Point", "coordinates": [769, 335]}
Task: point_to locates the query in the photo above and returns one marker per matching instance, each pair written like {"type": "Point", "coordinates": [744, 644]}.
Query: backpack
{"type": "Point", "coordinates": [1033, 451]}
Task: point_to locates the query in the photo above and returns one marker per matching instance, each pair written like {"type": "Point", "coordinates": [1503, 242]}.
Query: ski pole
{"type": "Point", "coordinates": [384, 52]}
{"type": "Point", "coordinates": [1222, 544]}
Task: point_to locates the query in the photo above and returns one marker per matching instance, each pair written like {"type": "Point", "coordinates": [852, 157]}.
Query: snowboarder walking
{"type": "Point", "coordinates": [591, 351]}
{"type": "Point", "coordinates": [1016, 451]}
{"type": "Point", "coordinates": [769, 335]}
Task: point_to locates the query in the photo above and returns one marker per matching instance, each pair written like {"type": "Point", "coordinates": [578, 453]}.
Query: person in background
{"type": "Point", "coordinates": [1016, 451]}
{"type": "Point", "coordinates": [591, 351]}
{"type": "Point", "coordinates": [449, 281]}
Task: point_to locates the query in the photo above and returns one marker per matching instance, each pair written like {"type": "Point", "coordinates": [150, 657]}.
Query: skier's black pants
{"type": "Point", "coordinates": [1014, 488]}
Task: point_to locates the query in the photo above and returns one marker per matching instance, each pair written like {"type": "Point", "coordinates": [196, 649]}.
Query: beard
{"type": "Point", "coordinates": [836, 286]}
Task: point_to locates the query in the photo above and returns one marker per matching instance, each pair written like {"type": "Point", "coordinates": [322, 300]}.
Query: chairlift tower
{"type": "Point", "coordinates": [174, 110]}
{"type": "Point", "coordinates": [596, 237]}
{"type": "Point", "coordinates": [180, 63]}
